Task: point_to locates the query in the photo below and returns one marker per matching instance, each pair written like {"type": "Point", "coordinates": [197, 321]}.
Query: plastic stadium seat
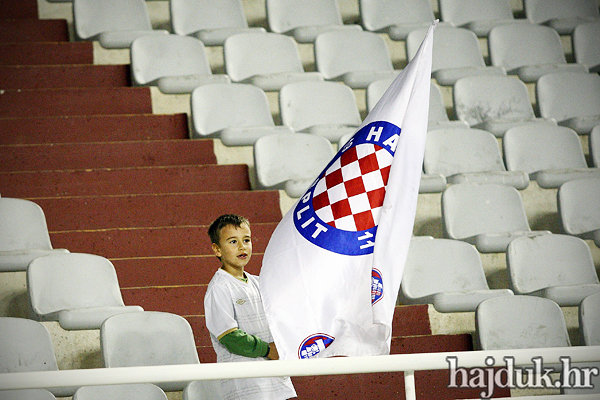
{"type": "Point", "coordinates": [479, 16]}
{"type": "Point", "coordinates": [267, 60]}
{"type": "Point", "coordinates": [23, 234]}
{"type": "Point", "coordinates": [589, 320]}
{"type": "Point", "coordinates": [147, 339]}
{"type": "Point", "coordinates": [27, 394]}
{"type": "Point", "coordinates": [356, 58]}
{"type": "Point", "coordinates": [586, 45]}
{"type": "Point", "coordinates": [551, 155]}
{"type": "Point", "coordinates": [469, 155]}
{"type": "Point", "coordinates": [561, 15]}
{"type": "Point", "coordinates": [27, 347]}
{"type": "Point", "coordinates": [396, 17]}
{"type": "Point", "coordinates": [209, 21]}
{"type": "Point", "coordinates": [133, 391]}
{"type": "Point", "coordinates": [456, 54]}
{"type": "Point", "coordinates": [579, 393]}
{"type": "Point", "coordinates": [176, 64]}
{"type": "Point", "coordinates": [327, 109]}
{"type": "Point", "coordinates": [529, 51]}
{"type": "Point", "coordinates": [557, 267]}
{"type": "Point", "coordinates": [290, 162]}
{"type": "Point", "coordinates": [438, 116]}
{"type": "Point", "coordinates": [486, 215]}
{"type": "Point", "coordinates": [114, 23]}
{"type": "Point", "coordinates": [236, 113]}
{"type": "Point", "coordinates": [78, 290]}
{"type": "Point", "coordinates": [203, 390]}
{"type": "Point", "coordinates": [494, 103]}
{"type": "Point", "coordinates": [446, 273]}
{"type": "Point", "coordinates": [594, 146]}
{"type": "Point", "coordinates": [520, 322]}
{"type": "Point", "coordinates": [572, 99]}
{"type": "Point", "coordinates": [305, 20]}
{"type": "Point", "coordinates": [579, 208]}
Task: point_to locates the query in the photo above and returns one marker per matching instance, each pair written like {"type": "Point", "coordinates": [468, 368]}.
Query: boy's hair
{"type": "Point", "coordinates": [214, 230]}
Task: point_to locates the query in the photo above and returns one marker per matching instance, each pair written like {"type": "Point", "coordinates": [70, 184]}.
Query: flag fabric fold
{"type": "Point", "coordinates": [332, 269]}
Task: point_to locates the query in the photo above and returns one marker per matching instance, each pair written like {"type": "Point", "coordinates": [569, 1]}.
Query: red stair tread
{"type": "Point", "coordinates": [431, 343]}
{"type": "Point", "coordinates": [95, 128]}
{"type": "Point", "coordinates": [33, 30]}
{"type": "Point", "coordinates": [18, 9]}
{"type": "Point", "coordinates": [75, 101]}
{"type": "Point", "coordinates": [152, 242]}
{"type": "Point", "coordinates": [46, 53]}
{"type": "Point", "coordinates": [123, 181]}
{"type": "Point", "coordinates": [71, 156]}
{"type": "Point", "coordinates": [63, 76]}
{"type": "Point", "coordinates": [138, 211]}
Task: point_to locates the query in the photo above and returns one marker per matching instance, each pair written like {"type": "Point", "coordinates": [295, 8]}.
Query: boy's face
{"type": "Point", "coordinates": [235, 246]}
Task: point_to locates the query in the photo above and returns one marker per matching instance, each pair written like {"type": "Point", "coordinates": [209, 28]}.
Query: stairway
{"type": "Point", "coordinates": [118, 181]}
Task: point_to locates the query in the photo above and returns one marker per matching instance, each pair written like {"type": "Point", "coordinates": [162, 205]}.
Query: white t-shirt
{"type": "Point", "coordinates": [230, 303]}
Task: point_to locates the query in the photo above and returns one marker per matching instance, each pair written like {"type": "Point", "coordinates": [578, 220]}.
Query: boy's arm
{"type": "Point", "coordinates": [241, 343]}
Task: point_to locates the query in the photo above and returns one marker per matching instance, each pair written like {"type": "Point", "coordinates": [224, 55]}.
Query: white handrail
{"type": "Point", "coordinates": [327, 366]}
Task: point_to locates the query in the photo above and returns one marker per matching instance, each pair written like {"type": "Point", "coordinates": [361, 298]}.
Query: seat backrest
{"type": "Point", "coordinates": [280, 157]}
{"type": "Point", "coordinates": [594, 145]}
{"type": "Point", "coordinates": [540, 11]}
{"type": "Point", "coordinates": [516, 45]}
{"type": "Point", "coordinates": [589, 320]}
{"type": "Point", "coordinates": [378, 14]}
{"type": "Point", "coordinates": [578, 205]}
{"type": "Point", "coordinates": [26, 346]}
{"type": "Point", "coordinates": [146, 339]}
{"type": "Point", "coordinates": [27, 394]}
{"type": "Point", "coordinates": [453, 151]}
{"type": "Point", "coordinates": [132, 391]}
{"type": "Point", "coordinates": [538, 147]}
{"type": "Point", "coordinates": [520, 322]}
{"type": "Point", "coordinates": [470, 209]}
{"type": "Point", "coordinates": [452, 47]}
{"type": "Point", "coordinates": [441, 265]}
{"type": "Point", "coordinates": [92, 17]}
{"type": "Point", "coordinates": [22, 225]}
{"type": "Point", "coordinates": [158, 56]}
{"type": "Point", "coordinates": [460, 12]}
{"type": "Point", "coordinates": [586, 44]}
{"type": "Point", "coordinates": [72, 281]}
{"type": "Point", "coordinates": [564, 95]}
{"type": "Point", "coordinates": [543, 261]}
{"type": "Point", "coordinates": [190, 16]}
{"type": "Point", "coordinates": [217, 106]}
{"type": "Point", "coordinates": [255, 53]}
{"type": "Point", "coordinates": [340, 52]}
{"type": "Point", "coordinates": [285, 15]}
{"type": "Point", "coordinates": [203, 390]}
{"type": "Point", "coordinates": [487, 98]}
{"type": "Point", "coordinates": [308, 103]}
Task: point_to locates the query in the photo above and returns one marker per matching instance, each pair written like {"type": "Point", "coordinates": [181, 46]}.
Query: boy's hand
{"type": "Point", "coordinates": [273, 354]}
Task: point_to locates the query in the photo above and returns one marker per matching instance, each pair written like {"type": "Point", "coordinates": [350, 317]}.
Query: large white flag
{"type": "Point", "coordinates": [332, 269]}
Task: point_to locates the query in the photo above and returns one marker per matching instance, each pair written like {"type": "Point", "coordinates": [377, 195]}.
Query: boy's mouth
{"type": "Point", "coordinates": [243, 256]}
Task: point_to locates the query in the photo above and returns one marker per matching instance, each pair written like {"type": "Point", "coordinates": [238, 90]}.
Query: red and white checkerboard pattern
{"type": "Point", "coordinates": [350, 194]}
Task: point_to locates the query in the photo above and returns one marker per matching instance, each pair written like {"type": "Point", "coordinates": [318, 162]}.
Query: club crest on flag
{"type": "Point", "coordinates": [376, 286]}
{"type": "Point", "coordinates": [340, 211]}
{"type": "Point", "coordinates": [314, 344]}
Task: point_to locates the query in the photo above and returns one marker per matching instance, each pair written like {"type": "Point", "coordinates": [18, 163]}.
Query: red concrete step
{"type": "Point", "coordinates": [75, 101]}
{"type": "Point", "coordinates": [124, 181]}
{"type": "Point", "coordinates": [46, 53]}
{"type": "Point", "coordinates": [183, 241]}
{"type": "Point", "coordinates": [18, 9]}
{"type": "Point", "coordinates": [33, 30]}
{"type": "Point", "coordinates": [96, 128]}
{"type": "Point", "coordinates": [68, 156]}
{"type": "Point", "coordinates": [63, 76]}
{"type": "Point", "coordinates": [156, 210]}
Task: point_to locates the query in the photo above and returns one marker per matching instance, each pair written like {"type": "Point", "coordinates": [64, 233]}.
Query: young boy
{"type": "Point", "coordinates": [234, 313]}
